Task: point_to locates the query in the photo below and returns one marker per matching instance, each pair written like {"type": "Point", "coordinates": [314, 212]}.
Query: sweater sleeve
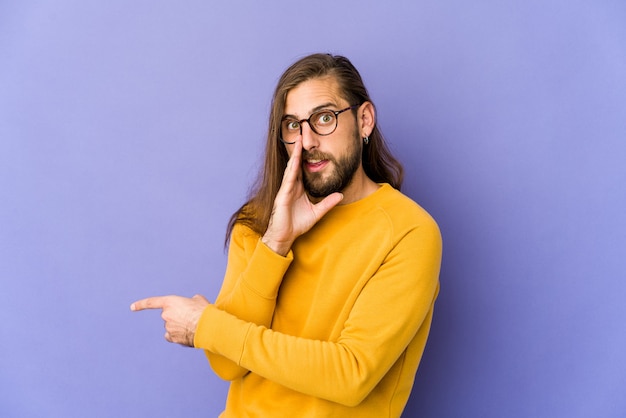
{"type": "Point", "coordinates": [249, 290]}
{"type": "Point", "coordinates": [390, 310]}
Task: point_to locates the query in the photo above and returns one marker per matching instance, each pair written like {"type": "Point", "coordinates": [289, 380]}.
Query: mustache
{"type": "Point", "coordinates": [315, 155]}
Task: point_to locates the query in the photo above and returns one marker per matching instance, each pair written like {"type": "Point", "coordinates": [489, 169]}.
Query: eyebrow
{"type": "Point", "coordinates": [315, 109]}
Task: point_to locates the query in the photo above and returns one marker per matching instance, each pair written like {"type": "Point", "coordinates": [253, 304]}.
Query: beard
{"type": "Point", "coordinates": [317, 186]}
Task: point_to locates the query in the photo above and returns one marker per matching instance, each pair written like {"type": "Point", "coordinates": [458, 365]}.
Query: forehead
{"type": "Point", "coordinates": [311, 94]}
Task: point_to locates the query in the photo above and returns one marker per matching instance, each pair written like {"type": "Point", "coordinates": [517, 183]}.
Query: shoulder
{"type": "Point", "coordinates": [400, 208]}
{"type": "Point", "coordinates": [243, 236]}
{"type": "Point", "coordinates": [412, 230]}
{"type": "Point", "coordinates": [405, 219]}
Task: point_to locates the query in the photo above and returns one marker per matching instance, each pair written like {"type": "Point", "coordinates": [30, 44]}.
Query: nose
{"type": "Point", "coordinates": [310, 139]}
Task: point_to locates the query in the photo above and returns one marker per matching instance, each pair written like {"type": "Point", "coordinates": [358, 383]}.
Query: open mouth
{"type": "Point", "coordinates": [314, 165]}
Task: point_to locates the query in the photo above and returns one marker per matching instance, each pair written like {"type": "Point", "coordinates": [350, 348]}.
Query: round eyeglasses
{"type": "Point", "coordinates": [323, 122]}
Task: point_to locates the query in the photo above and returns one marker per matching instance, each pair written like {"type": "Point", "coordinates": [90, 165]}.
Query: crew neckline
{"type": "Point", "coordinates": [384, 187]}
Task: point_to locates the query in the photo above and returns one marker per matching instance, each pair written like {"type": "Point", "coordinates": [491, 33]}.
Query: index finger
{"type": "Point", "coordinates": [156, 302]}
{"type": "Point", "coordinates": [293, 164]}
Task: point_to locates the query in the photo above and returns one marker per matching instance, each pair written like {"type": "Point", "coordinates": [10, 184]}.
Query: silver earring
{"type": "Point", "coordinates": [366, 140]}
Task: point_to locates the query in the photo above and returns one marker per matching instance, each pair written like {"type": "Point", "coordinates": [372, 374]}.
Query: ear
{"type": "Point", "coordinates": [366, 118]}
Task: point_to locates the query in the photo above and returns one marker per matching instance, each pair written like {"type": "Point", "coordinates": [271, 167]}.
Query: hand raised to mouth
{"type": "Point", "coordinates": [293, 213]}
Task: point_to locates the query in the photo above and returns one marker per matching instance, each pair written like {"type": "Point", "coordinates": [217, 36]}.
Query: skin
{"type": "Point", "coordinates": [294, 211]}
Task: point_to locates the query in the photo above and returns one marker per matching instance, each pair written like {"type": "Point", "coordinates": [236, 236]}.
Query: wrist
{"type": "Point", "coordinates": [280, 248]}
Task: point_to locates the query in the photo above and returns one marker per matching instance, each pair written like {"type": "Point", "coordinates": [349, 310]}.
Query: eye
{"type": "Point", "coordinates": [325, 118]}
{"type": "Point", "coordinates": [291, 125]}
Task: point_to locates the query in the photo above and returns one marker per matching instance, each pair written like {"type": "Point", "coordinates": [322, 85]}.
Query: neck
{"type": "Point", "coordinates": [360, 187]}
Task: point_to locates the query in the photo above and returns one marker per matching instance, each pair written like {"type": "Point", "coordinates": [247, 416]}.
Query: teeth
{"type": "Point", "coordinates": [313, 161]}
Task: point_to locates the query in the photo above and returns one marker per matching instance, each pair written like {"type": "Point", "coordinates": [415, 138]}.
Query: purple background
{"type": "Point", "coordinates": [130, 131]}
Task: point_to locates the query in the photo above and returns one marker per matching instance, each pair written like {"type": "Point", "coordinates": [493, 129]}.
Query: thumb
{"type": "Point", "coordinates": [200, 297]}
{"type": "Point", "coordinates": [325, 205]}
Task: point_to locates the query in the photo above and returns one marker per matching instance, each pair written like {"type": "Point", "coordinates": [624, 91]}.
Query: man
{"type": "Point", "coordinates": [332, 273]}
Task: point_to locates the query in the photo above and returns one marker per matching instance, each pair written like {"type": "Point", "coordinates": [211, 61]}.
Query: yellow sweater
{"type": "Point", "coordinates": [338, 326]}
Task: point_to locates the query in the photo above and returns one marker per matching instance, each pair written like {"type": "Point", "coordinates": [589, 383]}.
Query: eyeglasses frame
{"type": "Point", "coordinates": [308, 121]}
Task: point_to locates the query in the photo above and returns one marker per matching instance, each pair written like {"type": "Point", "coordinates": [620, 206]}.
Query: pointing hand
{"type": "Point", "coordinates": [181, 315]}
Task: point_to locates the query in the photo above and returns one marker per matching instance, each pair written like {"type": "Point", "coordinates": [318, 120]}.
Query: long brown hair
{"type": "Point", "coordinates": [378, 162]}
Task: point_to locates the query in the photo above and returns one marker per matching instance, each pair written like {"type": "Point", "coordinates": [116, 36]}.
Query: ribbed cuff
{"type": "Point", "coordinates": [268, 272]}
{"type": "Point", "coordinates": [221, 333]}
